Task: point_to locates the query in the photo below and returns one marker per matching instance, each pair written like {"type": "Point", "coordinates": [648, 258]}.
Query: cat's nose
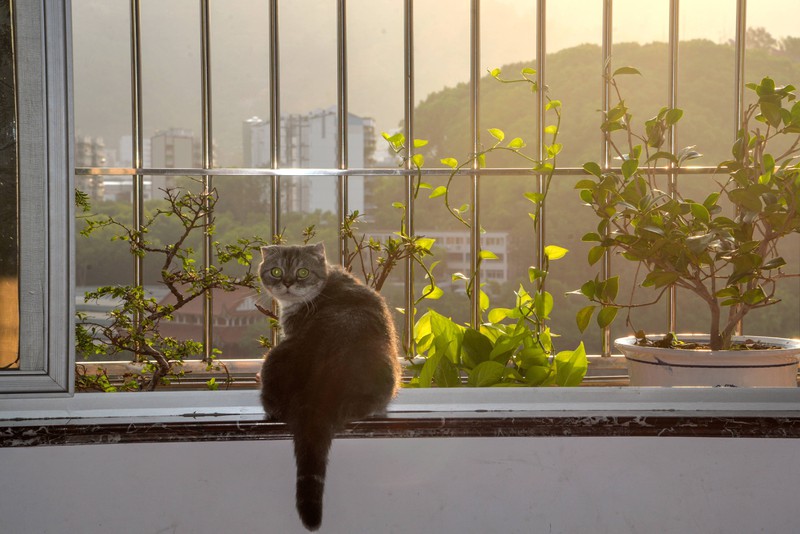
{"type": "Point", "coordinates": [287, 282]}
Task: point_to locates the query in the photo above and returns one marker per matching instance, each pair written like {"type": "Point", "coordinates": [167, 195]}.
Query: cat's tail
{"type": "Point", "coordinates": [311, 446]}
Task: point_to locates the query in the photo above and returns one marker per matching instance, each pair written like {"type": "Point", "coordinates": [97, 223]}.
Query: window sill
{"type": "Point", "coordinates": [551, 412]}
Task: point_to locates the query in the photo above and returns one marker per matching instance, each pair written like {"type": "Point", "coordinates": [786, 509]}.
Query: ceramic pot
{"type": "Point", "coordinates": [652, 366]}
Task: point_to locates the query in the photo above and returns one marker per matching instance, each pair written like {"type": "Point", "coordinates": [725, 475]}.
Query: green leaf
{"type": "Point", "coordinates": [439, 191]}
{"type": "Point", "coordinates": [432, 292]}
{"type": "Point", "coordinates": [554, 150]}
{"type": "Point", "coordinates": [700, 212]}
{"type": "Point", "coordinates": [571, 366]}
{"type": "Point", "coordinates": [551, 129]}
{"type": "Point", "coordinates": [497, 133]}
{"type": "Point", "coordinates": [429, 368]}
{"type": "Point", "coordinates": [593, 168]}
{"type": "Point", "coordinates": [589, 289]}
{"type": "Point", "coordinates": [552, 104]}
{"type": "Point", "coordinates": [516, 143]}
{"type": "Point", "coordinates": [626, 70]}
{"type": "Point", "coordinates": [606, 316]}
{"type": "Point", "coordinates": [450, 162]}
{"type": "Point", "coordinates": [486, 374]}
{"type": "Point", "coordinates": [711, 200]}
{"type": "Point", "coordinates": [771, 112]}
{"type": "Point", "coordinates": [554, 252]}
{"type": "Point", "coordinates": [535, 274]}
{"type": "Point", "coordinates": [584, 316]}
{"type": "Point", "coordinates": [596, 254]}
{"type": "Point", "coordinates": [673, 116]}
{"type": "Point", "coordinates": [425, 242]}
{"type": "Point", "coordinates": [446, 374]}
{"type": "Point", "coordinates": [483, 300]}
{"type": "Point", "coordinates": [420, 143]}
{"type": "Point", "coordinates": [533, 357]}
{"type": "Point", "coordinates": [774, 263]}
{"type": "Point", "coordinates": [498, 315]}
{"type": "Point", "coordinates": [494, 72]}
{"type": "Point", "coordinates": [660, 279]}
{"type": "Point", "coordinates": [745, 199]}
{"type": "Point", "coordinates": [534, 197]}
{"type": "Point", "coordinates": [608, 290]}
{"type": "Point", "coordinates": [418, 160]}
{"type": "Point", "coordinates": [543, 304]}
{"type": "Point", "coordinates": [487, 255]}
{"type": "Point", "coordinates": [629, 167]}
{"type": "Point", "coordinates": [754, 296]}
{"type": "Point", "coordinates": [475, 347]}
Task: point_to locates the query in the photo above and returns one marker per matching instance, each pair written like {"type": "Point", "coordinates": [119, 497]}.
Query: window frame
{"type": "Point", "coordinates": [42, 49]}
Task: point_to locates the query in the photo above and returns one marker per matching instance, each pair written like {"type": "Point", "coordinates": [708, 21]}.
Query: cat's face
{"type": "Point", "coordinates": [293, 274]}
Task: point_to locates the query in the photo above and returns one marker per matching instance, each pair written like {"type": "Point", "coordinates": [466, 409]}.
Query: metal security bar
{"type": "Point", "coordinates": [343, 170]}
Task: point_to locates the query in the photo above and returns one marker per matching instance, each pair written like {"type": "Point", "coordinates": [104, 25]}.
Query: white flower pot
{"type": "Point", "coordinates": [652, 366]}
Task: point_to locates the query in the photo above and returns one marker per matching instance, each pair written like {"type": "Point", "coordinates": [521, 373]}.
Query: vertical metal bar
{"type": "Point", "coordinates": [137, 141]}
{"type": "Point", "coordinates": [408, 131]}
{"type": "Point", "coordinates": [672, 301]}
{"type": "Point", "coordinates": [739, 50]}
{"type": "Point", "coordinates": [474, 98]}
{"type": "Point", "coordinates": [274, 116]}
{"type": "Point", "coordinates": [342, 119]}
{"type": "Point", "coordinates": [541, 52]}
{"type": "Point", "coordinates": [605, 270]}
{"type": "Point", "coordinates": [208, 154]}
{"type": "Point", "coordinates": [274, 132]}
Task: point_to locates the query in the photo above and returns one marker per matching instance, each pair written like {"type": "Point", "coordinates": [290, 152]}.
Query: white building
{"type": "Point", "coordinates": [310, 142]}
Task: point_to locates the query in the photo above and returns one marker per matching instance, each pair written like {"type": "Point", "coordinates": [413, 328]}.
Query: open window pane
{"type": "Point", "coordinates": [9, 207]}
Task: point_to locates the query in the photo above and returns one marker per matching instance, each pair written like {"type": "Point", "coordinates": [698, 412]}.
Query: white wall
{"type": "Point", "coordinates": [469, 485]}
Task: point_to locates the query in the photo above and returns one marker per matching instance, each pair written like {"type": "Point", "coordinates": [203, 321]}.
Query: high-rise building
{"type": "Point", "coordinates": [310, 142]}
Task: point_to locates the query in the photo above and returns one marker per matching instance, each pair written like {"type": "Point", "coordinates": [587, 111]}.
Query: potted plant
{"type": "Point", "coordinates": [724, 248]}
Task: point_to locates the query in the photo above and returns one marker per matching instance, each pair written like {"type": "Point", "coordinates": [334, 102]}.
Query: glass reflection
{"type": "Point", "coordinates": [9, 228]}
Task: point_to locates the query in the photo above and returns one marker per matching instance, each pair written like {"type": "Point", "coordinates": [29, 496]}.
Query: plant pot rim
{"type": "Point", "coordinates": [785, 355]}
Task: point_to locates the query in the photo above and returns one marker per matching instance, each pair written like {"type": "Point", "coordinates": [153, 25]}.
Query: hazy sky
{"type": "Point", "coordinates": [171, 52]}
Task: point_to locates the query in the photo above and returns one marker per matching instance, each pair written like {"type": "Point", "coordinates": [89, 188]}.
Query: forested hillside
{"type": "Point", "coordinates": [705, 92]}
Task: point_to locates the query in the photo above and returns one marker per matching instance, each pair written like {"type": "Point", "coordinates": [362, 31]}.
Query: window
{"type": "Point", "coordinates": [261, 115]}
{"type": "Point", "coordinates": [37, 252]}
{"type": "Point", "coordinates": [217, 98]}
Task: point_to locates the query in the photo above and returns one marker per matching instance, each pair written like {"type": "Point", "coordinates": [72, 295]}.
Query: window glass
{"type": "Point", "coordinates": [9, 240]}
{"type": "Point", "coordinates": [309, 145]}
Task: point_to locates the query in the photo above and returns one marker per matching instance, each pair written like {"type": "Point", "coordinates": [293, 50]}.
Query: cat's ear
{"type": "Point", "coordinates": [268, 251]}
{"type": "Point", "coordinates": [319, 249]}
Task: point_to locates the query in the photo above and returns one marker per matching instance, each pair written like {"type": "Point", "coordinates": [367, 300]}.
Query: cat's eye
{"type": "Point", "coordinates": [276, 272]}
{"type": "Point", "coordinates": [302, 272]}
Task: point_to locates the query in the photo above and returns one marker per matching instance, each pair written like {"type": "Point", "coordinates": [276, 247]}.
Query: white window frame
{"type": "Point", "coordinates": [44, 125]}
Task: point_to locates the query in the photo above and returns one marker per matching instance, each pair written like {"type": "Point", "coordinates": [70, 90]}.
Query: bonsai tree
{"type": "Point", "coordinates": [134, 326]}
{"type": "Point", "coordinates": [729, 257]}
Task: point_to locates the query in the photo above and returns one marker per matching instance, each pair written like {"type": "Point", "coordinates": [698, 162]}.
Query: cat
{"type": "Point", "coordinates": [337, 360]}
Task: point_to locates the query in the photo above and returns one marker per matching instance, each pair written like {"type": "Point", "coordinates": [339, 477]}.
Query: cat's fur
{"type": "Point", "coordinates": [337, 360]}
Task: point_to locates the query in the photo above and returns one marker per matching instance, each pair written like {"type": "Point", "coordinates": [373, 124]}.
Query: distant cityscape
{"type": "Point", "coordinates": [307, 141]}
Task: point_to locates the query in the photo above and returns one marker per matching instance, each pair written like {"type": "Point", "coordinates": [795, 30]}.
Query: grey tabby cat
{"type": "Point", "coordinates": [336, 362]}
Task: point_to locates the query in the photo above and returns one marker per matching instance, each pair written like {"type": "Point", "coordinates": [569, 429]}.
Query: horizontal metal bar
{"type": "Point", "coordinates": [373, 171]}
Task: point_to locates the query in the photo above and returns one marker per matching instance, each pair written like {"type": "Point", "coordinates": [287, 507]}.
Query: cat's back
{"type": "Point", "coordinates": [344, 308]}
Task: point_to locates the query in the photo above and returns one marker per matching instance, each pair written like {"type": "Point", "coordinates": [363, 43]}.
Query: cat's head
{"type": "Point", "coordinates": [293, 273]}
